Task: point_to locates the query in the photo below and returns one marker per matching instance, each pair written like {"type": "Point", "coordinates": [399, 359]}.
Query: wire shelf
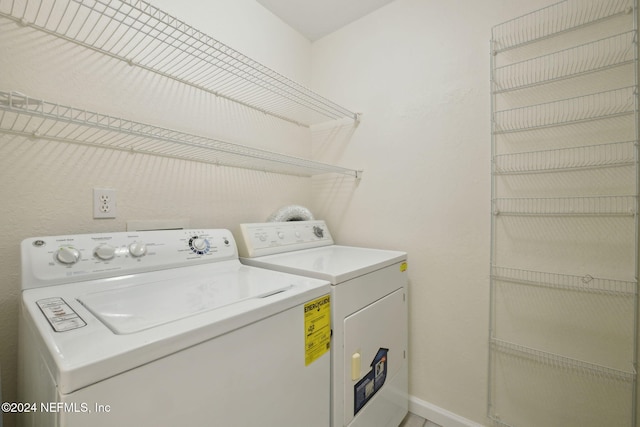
{"type": "Point", "coordinates": [586, 283]}
{"type": "Point", "coordinates": [585, 157]}
{"type": "Point", "coordinates": [22, 115]}
{"type": "Point", "coordinates": [601, 105]}
{"type": "Point", "coordinates": [567, 206]}
{"type": "Point", "coordinates": [588, 58]}
{"type": "Point", "coordinates": [562, 362]}
{"type": "Point", "coordinates": [555, 19]}
{"type": "Point", "coordinates": [140, 34]}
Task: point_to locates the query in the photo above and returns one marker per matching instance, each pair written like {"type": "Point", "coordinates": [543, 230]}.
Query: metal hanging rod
{"type": "Point", "coordinates": [138, 33]}
{"type": "Point", "coordinates": [22, 115]}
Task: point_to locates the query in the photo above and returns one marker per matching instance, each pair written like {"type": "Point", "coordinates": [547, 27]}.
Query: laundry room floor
{"type": "Point", "coordinates": [413, 420]}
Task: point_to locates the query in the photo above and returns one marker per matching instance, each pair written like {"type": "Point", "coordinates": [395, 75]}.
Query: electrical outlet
{"type": "Point", "coordinates": [104, 202]}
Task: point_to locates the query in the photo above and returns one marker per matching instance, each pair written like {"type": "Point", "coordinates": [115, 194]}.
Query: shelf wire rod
{"type": "Point", "coordinates": [279, 78]}
{"type": "Point", "coordinates": [562, 362]}
{"type": "Point", "coordinates": [585, 283]}
{"type": "Point", "coordinates": [619, 57]}
{"type": "Point", "coordinates": [256, 66]}
{"type": "Point", "coordinates": [567, 206]}
{"type": "Point", "coordinates": [302, 96]}
{"type": "Point", "coordinates": [69, 117]}
{"type": "Point", "coordinates": [564, 112]}
{"type": "Point", "coordinates": [121, 28]}
{"type": "Point", "coordinates": [615, 154]}
{"type": "Point", "coordinates": [565, 123]}
{"type": "Point", "coordinates": [617, 9]}
{"type": "Point", "coordinates": [294, 170]}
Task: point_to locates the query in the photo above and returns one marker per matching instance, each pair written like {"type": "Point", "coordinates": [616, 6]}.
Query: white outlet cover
{"type": "Point", "coordinates": [104, 203]}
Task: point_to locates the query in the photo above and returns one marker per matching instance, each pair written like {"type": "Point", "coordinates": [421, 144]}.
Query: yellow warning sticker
{"type": "Point", "coordinates": [317, 328]}
{"type": "Point", "coordinates": [404, 266]}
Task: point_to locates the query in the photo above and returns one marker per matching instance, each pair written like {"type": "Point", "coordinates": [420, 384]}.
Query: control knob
{"type": "Point", "coordinates": [137, 249]}
{"type": "Point", "coordinates": [68, 255]}
{"type": "Point", "coordinates": [105, 252]}
{"type": "Point", "coordinates": [319, 232]}
{"type": "Point", "coordinates": [199, 243]}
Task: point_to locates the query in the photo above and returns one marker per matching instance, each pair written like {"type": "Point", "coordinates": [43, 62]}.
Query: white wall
{"type": "Point", "coordinates": [419, 72]}
{"type": "Point", "coordinates": [47, 186]}
{"type": "Point", "coordinates": [417, 69]}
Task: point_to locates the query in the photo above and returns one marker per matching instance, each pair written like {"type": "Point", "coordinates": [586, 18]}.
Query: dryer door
{"type": "Point", "coordinates": [375, 344]}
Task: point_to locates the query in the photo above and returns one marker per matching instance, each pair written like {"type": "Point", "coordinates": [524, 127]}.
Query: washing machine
{"type": "Point", "coordinates": [369, 380]}
{"type": "Point", "coordinates": [168, 328]}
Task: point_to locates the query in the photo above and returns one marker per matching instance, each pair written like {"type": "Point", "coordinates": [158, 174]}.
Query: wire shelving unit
{"type": "Point", "coordinates": [142, 35]}
{"type": "Point", "coordinates": [563, 344]}
{"type": "Point", "coordinates": [30, 117]}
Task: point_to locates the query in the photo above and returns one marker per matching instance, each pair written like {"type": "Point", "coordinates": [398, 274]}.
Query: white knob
{"type": "Point", "coordinates": [262, 237]}
{"type": "Point", "coordinates": [68, 255]}
{"type": "Point", "coordinates": [105, 252]}
{"type": "Point", "coordinates": [280, 234]}
{"type": "Point", "coordinates": [199, 244]}
{"type": "Point", "coordinates": [137, 249]}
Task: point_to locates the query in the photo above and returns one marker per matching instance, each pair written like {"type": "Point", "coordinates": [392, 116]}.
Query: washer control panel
{"type": "Point", "coordinates": [259, 239]}
{"type": "Point", "coordinates": [55, 260]}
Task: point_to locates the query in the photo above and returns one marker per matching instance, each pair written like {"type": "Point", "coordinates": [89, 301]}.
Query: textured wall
{"type": "Point", "coordinates": [419, 72]}
{"type": "Point", "coordinates": [47, 186]}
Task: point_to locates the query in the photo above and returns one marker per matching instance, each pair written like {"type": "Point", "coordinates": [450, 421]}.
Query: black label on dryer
{"type": "Point", "coordinates": [373, 381]}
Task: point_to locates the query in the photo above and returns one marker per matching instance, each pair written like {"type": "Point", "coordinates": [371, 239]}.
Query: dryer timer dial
{"type": "Point", "coordinates": [318, 231]}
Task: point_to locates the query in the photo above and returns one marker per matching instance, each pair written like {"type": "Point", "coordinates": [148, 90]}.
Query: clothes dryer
{"type": "Point", "coordinates": [369, 380]}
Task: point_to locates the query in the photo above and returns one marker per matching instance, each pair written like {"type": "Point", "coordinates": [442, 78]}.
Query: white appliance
{"type": "Point", "coordinates": [369, 386]}
{"type": "Point", "coordinates": [167, 328]}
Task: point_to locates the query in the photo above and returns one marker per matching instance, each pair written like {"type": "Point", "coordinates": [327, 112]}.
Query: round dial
{"type": "Point", "coordinates": [199, 245]}
{"type": "Point", "coordinates": [68, 255]}
{"type": "Point", "coordinates": [137, 249]}
{"type": "Point", "coordinates": [105, 252]}
{"type": "Point", "coordinates": [319, 232]}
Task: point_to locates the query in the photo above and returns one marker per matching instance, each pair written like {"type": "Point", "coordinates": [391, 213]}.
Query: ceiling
{"type": "Point", "coordinates": [317, 18]}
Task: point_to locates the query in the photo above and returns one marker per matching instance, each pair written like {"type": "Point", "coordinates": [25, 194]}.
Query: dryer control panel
{"type": "Point", "coordinates": [268, 238]}
{"type": "Point", "coordinates": [53, 260]}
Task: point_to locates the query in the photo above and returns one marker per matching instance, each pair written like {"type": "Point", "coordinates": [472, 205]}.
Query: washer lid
{"type": "Point", "coordinates": [334, 263]}
{"type": "Point", "coordinates": [167, 318]}
{"type": "Point", "coordinates": [143, 306]}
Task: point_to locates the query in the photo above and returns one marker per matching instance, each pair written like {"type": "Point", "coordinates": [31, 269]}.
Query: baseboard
{"type": "Point", "coordinates": [438, 415]}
